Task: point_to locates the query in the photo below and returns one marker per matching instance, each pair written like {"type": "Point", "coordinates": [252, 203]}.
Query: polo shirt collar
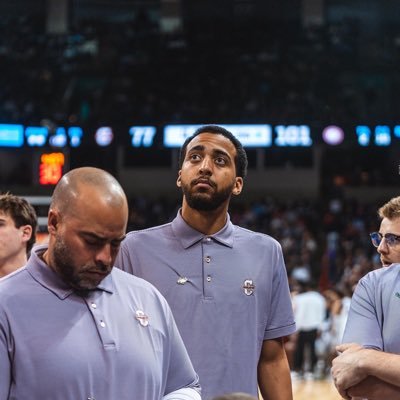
{"type": "Point", "coordinates": [188, 236]}
{"type": "Point", "coordinates": [44, 275]}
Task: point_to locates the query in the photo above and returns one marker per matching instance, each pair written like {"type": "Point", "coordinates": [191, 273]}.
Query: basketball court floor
{"type": "Point", "coordinates": [314, 390]}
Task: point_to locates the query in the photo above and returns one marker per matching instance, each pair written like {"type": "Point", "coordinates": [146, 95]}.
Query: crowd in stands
{"type": "Point", "coordinates": [128, 71]}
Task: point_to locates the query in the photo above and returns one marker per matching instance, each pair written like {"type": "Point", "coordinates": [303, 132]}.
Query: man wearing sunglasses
{"type": "Point", "coordinates": [368, 365]}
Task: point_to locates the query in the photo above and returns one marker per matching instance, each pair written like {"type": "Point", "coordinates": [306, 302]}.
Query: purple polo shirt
{"type": "Point", "coordinates": [228, 293]}
{"type": "Point", "coordinates": [373, 319]}
{"type": "Point", "coordinates": [119, 342]}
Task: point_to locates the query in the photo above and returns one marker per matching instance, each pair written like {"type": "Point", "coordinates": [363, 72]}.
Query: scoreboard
{"type": "Point", "coordinates": [56, 149]}
{"type": "Point", "coordinates": [172, 136]}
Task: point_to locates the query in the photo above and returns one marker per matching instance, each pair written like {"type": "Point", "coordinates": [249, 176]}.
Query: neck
{"type": "Point", "coordinates": [207, 222]}
{"type": "Point", "coordinates": [45, 257]}
{"type": "Point", "coordinates": [12, 264]}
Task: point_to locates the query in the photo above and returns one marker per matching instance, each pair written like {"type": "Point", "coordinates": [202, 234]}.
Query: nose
{"type": "Point", "coordinates": [383, 247]}
{"type": "Point", "coordinates": [104, 255]}
{"type": "Point", "coordinates": [205, 166]}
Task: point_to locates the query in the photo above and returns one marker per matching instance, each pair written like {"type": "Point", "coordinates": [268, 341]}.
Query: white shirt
{"type": "Point", "coordinates": [309, 310]}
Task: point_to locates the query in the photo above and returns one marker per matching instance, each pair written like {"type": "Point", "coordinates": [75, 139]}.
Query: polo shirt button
{"type": "Point", "coordinates": [208, 278]}
{"type": "Point", "coordinates": [208, 239]}
{"type": "Point", "coordinates": [94, 305]}
{"type": "Point", "coordinates": [208, 259]}
{"type": "Point", "coordinates": [102, 324]}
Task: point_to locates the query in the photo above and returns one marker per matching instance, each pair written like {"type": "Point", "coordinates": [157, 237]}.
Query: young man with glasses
{"type": "Point", "coordinates": [368, 365]}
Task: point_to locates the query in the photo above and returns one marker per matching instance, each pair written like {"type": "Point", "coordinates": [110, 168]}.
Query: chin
{"type": "Point", "coordinates": [386, 264]}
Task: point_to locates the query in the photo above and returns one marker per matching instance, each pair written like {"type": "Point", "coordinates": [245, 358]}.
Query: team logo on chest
{"type": "Point", "coordinates": [142, 318]}
{"type": "Point", "coordinates": [248, 287]}
{"type": "Point", "coordinates": [182, 280]}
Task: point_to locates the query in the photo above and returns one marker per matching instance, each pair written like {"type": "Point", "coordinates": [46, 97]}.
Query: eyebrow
{"type": "Point", "coordinates": [389, 233]}
{"type": "Point", "coordinates": [101, 238]}
{"type": "Point", "coordinates": [200, 147]}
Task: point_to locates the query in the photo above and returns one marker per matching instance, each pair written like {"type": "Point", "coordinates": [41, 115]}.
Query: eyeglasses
{"type": "Point", "coordinates": [390, 238]}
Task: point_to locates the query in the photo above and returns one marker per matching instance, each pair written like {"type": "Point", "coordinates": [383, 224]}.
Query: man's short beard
{"type": "Point", "coordinates": [64, 264]}
{"type": "Point", "coordinates": [203, 202]}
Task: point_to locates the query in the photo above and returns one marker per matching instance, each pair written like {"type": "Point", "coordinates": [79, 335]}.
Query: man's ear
{"type": "Point", "coordinates": [26, 232]}
{"type": "Point", "coordinates": [178, 180]}
{"type": "Point", "coordinates": [53, 221]}
{"type": "Point", "coordinates": [237, 189]}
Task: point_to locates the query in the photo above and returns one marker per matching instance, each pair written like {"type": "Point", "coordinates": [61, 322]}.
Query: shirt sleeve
{"type": "Point", "coordinates": [363, 323]}
{"type": "Point", "coordinates": [280, 319]}
{"type": "Point", "coordinates": [5, 365]}
{"type": "Point", "coordinates": [123, 260]}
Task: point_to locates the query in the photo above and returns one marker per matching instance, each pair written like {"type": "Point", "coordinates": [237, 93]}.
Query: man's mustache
{"type": "Point", "coordinates": [203, 180]}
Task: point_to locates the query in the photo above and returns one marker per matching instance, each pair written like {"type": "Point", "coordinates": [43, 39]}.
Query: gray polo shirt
{"type": "Point", "coordinates": [373, 319]}
{"type": "Point", "coordinates": [228, 292]}
{"type": "Point", "coordinates": [118, 343]}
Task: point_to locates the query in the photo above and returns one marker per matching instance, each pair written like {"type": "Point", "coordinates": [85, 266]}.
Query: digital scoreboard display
{"type": "Point", "coordinates": [249, 135]}
{"type": "Point", "coordinates": [11, 135]}
{"type": "Point", "coordinates": [173, 135]}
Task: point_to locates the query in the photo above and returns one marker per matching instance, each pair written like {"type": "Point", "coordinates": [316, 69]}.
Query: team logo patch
{"type": "Point", "coordinates": [142, 318]}
{"type": "Point", "coordinates": [248, 287]}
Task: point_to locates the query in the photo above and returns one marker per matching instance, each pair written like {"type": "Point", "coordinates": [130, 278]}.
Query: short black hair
{"type": "Point", "coordinates": [241, 156]}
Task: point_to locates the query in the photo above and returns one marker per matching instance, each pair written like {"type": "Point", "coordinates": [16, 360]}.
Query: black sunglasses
{"type": "Point", "coordinates": [390, 238]}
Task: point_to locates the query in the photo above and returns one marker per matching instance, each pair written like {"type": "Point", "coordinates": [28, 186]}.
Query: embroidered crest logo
{"type": "Point", "coordinates": [248, 287]}
{"type": "Point", "coordinates": [142, 318]}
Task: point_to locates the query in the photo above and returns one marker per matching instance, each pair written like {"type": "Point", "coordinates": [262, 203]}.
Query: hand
{"type": "Point", "coordinates": [346, 368]}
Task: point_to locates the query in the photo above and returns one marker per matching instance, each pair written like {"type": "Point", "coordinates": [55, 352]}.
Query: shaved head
{"type": "Point", "coordinates": [77, 182]}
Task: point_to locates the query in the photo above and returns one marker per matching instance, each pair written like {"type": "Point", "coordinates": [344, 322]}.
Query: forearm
{"type": "Point", "coordinates": [374, 389]}
{"type": "Point", "coordinates": [274, 381]}
{"type": "Point", "coordinates": [274, 373]}
{"type": "Point", "coordinates": [384, 366]}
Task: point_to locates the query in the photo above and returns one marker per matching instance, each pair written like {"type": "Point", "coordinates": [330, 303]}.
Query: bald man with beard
{"type": "Point", "coordinates": [71, 326]}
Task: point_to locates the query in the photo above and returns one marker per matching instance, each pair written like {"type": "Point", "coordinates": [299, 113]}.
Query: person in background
{"type": "Point", "coordinates": [73, 327]}
{"type": "Point", "coordinates": [227, 286]}
{"type": "Point", "coordinates": [18, 224]}
{"type": "Point", "coordinates": [369, 361]}
{"type": "Point", "coordinates": [309, 312]}
{"type": "Point", "coordinates": [338, 305]}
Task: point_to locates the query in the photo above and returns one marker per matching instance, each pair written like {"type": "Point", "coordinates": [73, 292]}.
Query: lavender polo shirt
{"type": "Point", "coordinates": [373, 319]}
{"type": "Point", "coordinates": [118, 343]}
{"type": "Point", "coordinates": [228, 293]}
